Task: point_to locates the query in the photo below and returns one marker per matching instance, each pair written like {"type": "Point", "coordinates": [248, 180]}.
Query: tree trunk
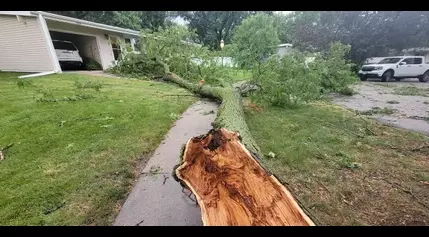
{"type": "Point", "coordinates": [222, 168]}
{"type": "Point", "coordinates": [230, 115]}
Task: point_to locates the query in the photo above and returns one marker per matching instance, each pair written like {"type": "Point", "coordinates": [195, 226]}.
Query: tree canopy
{"type": "Point", "coordinates": [370, 33]}
{"type": "Point", "coordinates": [126, 19]}
{"type": "Point", "coordinates": [213, 26]}
{"type": "Point", "coordinates": [255, 39]}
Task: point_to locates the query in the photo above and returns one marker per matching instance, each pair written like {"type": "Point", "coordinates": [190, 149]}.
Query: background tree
{"type": "Point", "coordinates": [285, 27]}
{"type": "Point", "coordinates": [126, 19]}
{"type": "Point", "coordinates": [213, 26]}
{"type": "Point", "coordinates": [254, 40]}
{"type": "Point", "coordinates": [370, 33]}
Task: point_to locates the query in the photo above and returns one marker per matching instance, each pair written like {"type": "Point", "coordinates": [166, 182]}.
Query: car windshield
{"type": "Point", "coordinates": [389, 60]}
{"type": "Point", "coordinates": [63, 45]}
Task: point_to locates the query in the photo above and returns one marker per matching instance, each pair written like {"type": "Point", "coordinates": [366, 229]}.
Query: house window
{"type": "Point", "coordinates": [115, 47]}
{"type": "Point", "coordinates": [137, 45]}
{"type": "Point", "coordinates": [116, 50]}
{"type": "Point", "coordinates": [129, 44]}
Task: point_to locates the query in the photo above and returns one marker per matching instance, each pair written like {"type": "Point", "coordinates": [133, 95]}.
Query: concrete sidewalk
{"type": "Point", "coordinates": [157, 199]}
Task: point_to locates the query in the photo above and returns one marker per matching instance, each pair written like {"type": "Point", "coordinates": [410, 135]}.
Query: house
{"type": "Point", "coordinates": [26, 40]}
{"type": "Point", "coordinates": [283, 49]}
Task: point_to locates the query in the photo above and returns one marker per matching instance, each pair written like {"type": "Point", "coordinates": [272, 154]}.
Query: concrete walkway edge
{"type": "Point", "coordinates": [157, 199]}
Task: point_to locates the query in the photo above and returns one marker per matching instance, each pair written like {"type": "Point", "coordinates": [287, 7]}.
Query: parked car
{"type": "Point", "coordinates": [67, 53]}
{"type": "Point", "coordinates": [397, 67]}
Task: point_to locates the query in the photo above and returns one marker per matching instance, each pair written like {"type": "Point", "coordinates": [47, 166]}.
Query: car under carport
{"type": "Point", "coordinates": [26, 40]}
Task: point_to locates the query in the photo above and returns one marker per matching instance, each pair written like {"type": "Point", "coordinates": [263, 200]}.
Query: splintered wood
{"type": "Point", "coordinates": [232, 188]}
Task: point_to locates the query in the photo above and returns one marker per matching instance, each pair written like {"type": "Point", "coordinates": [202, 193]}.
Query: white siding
{"type": "Point", "coordinates": [23, 46]}
{"type": "Point", "coordinates": [106, 54]}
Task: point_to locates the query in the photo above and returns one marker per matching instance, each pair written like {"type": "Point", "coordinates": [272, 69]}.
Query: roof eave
{"type": "Point", "coordinates": [71, 20]}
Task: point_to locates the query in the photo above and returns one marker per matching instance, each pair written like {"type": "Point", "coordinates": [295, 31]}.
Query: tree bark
{"type": "Point", "coordinates": [223, 169]}
{"type": "Point", "coordinates": [230, 114]}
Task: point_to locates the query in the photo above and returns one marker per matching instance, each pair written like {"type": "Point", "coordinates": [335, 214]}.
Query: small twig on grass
{"type": "Point", "coordinates": [366, 126]}
{"type": "Point", "coordinates": [420, 147]}
{"type": "Point", "coordinates": [405, 191]}
{"type": "Point", "coordinates": [3, 150]}
{"type": "Point", "coordinates": [324, 186]}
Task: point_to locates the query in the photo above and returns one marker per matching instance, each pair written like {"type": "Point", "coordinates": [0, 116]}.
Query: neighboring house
{"type": "Point", "coordinates": [26, 40]}
{"type": "Point", "coordinates": [284, 49]}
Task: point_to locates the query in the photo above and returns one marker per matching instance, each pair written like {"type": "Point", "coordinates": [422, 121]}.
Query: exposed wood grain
{"type": "Point", "coordinates": [232, 188]}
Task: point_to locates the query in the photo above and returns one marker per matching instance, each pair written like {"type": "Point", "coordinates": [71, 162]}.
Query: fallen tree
{"type": "Point", "coordinates": [222, 169]}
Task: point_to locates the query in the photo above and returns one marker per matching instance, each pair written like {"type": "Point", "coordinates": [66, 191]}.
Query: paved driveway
{"type": "Point", "coordinates": [407, 99]}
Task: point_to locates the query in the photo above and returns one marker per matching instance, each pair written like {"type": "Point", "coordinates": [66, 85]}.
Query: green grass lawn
{"type": "Point", "coordinates": [342, 173]}
{"type": "Point", "coordinates": [75, 149]}
{"type": "Point", "coordinates": [231, 75]}
{"type": "Point", "coordinates": [235, 75]}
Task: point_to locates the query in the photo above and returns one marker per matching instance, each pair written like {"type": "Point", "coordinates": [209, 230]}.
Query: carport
{"type": "Point", "coordinates": [87, 44]}
{"type": "Point", "coordinates": [26, 41]}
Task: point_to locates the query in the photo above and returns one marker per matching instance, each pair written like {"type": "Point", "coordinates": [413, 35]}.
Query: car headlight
{"type": "Point", "coordinates": [378, 68]}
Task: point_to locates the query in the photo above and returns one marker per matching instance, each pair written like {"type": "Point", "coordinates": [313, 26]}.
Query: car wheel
{"type": "Point", "coordinates": [425, 77]}
{"type": "Point", "coordinates": [387, 76]}
{"type": "Point", "coordinates": [363, 78]}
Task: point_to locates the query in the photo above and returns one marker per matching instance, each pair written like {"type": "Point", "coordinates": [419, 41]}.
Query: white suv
{"type": "Point", "coordinates": [67, 53]}
{"type": "Point", "coordinates": [397, 67]}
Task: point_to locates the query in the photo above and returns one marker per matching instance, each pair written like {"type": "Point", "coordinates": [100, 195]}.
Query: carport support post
{"type": "Point", "coordinates": [49, 44]}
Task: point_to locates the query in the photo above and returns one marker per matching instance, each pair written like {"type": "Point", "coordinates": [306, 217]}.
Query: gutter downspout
{"type": "Point", "coordinates": [38, 74]}
{"type": "Point", "coordinates": [49, 44]}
